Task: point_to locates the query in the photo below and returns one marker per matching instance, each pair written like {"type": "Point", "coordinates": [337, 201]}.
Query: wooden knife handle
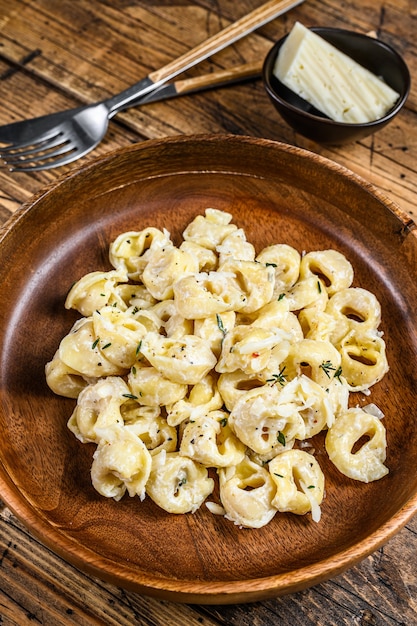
{"type": "Point", "coordinates": [222, 77]}
{"type": "Point", "coordinates": [245, 25]}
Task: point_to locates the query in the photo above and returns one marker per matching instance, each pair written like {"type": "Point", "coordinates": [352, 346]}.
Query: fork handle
{"type": "Point", "coordinates": [235, 31]}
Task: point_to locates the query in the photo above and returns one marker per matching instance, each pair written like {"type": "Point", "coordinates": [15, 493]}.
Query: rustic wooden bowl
{"type": "Point", "coordinates": [276, 193]}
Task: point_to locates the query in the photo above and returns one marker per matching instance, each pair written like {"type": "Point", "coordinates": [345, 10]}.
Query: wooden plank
{"type": "Point", "coordinates": [55, 55]}
{"type": "Point", "coordinates": [40, 586]}
{"type": "Point", "coordinates": [356, 597]}
{"type": "Point", "coordinates": [66, 592]}
{"type": "Point", "coordinates": [87, 62]}
{"type": "Point", "coordinates": [213, 112]}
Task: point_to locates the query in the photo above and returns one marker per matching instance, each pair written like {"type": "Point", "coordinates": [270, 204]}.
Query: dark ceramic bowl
{"type": "Point", "coordinates": [376, 56]}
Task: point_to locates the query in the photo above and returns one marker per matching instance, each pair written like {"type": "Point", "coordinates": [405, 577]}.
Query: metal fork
{"type": "Point", "coordinates": [55, 140]}
{"type": "Point", "coordinates": [18, 156]}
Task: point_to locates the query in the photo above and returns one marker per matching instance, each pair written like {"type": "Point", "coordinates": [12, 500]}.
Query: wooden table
{"type": "Point", "coordinates": [55, 54]}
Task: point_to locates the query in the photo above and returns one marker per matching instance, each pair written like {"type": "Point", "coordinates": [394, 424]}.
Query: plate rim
{"type": "Point", "coordinates": [204, 591]}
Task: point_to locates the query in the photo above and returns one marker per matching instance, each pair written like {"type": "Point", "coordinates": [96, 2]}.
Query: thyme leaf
{"type": "Point", "coordinates": [278, 378]}
{"type": "Point", "coordinates": [220, 324]}
{"type": "Point", "coordinates": [281, 438]}
{"type": "Point", "coordinates": [327, 367]}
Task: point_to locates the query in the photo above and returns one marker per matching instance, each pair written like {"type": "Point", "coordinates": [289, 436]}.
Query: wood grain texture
{"type": "Point", "coordinates": [57, 55]}
{"type": "Point", "coordinates": [120, 58]}
{"type": "Point", "coordinates": [276, 193]}
{"type": "Point", "coordinates": [227, 36]}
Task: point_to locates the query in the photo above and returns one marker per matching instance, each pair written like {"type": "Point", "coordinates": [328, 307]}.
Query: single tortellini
{"type": "Point", "coordinates": [209, 231]}
{"type": "Point", "coordinates": [63, 380]}
{"type": "Point", "coordinates": [308, 292]}
{"type": "Point", "coordinates": [98, 410]}
{"type": "Point", "coordinates": [121, 464]}
{"type": "Point", "coordinates": [358, 308]}
{"type": "Point", "coordinates": [129, 251]}
{"type": "Point", "coordinates": [256, 282]}
{"type": "Point", "coordinates": [95, 290]}
{"type": "Point", "coordinates": [214, 328]}
{"type": "Point", "coordinates": [135, 297]}
{"type": "Point", "coordinates": [151, 387]}
{"type": "Point", "coordinates": [248, 348]}
{"type": "Point", "coordinates": [299, 483]}
{"type": "Point", "coordinates": [366, 463]}
{"type": "Point", "coordinates": [235, 246]}
{"type": "Point", "coordinates": [277, 316]}
{"type": "Point", "coordinates": [208, 293]}
{"type": "Point", "coordinates": [178, 484]}
{"type": "Point", "coordinates": [148, 317]}
{"type": "Point", "coordinates": [333, 268]}
{"type": "Point", "coordinates": [259, 423]}
{"type": "Point", "coordinates": [185, 360]}
{"type": "Point", "coordinates": [234, 385]}
{"type": "Point", "coordinates": [311, 402]}
{"type": "Point", "coordinates": [246, 493]}
{"type": "Point", "coordinates": [171, 323]}
{"type": "Point", "coordinates": [119, 334]}
{"type": "Point", "coordinates": [209, 440]}
{"type": "Point", "coordinates": [207, 259]}
{"type": "Point", "coordinates": [163, 268]}
{"type": "Point", "coordinates": [152, 427]}
{"type": "Point", "coordinates": [363, 359]}
{"type": "Point", "coordinates": [319, 360]}
{"type": "Point", "coordinates": [322, 326]}
{"type": "Point", "coordinates": [82, 351]}
{"type": "Point", "coordinates": [286, 263]}
{"type": "Point", "coordinates": [201, 399]}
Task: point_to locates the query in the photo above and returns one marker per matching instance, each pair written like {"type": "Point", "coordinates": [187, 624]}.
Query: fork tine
{"type": "Point", "coordinates": [16, 152]}
{"type": "Point", "coordinates": [40, 139]}
{"type": "Point", "coordinates": [38, 128]}
{"type": "Point", "coordinates": [42, 165]}
{"type": "Point", "coordinates": [48, 161]}
{"type": "Point", "coordinates": [40, 160]}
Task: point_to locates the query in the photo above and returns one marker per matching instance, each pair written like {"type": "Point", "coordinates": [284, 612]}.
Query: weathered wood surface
{"type": "Point", "coordinates": [55, 54]}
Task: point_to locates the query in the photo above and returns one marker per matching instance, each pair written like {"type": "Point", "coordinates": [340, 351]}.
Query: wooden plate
{"type": "Point", "coordinates": [277, 193]}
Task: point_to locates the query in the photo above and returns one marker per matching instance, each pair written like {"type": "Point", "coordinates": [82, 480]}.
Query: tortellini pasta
{"type": "Point", "coordinates": [121, 464]}
{"type": "Point", "coordinates": [258, 421]}
{"type": "Point", "coordinates": [211, 361]}
{"type": "Point", "coordinates": [299, 481]}
{"type": "Point", "coordinates": [367, 463]}
{"type": "Point", "coordinates": [209, 440]}
{"type": "Point", "coordinates": [246, 492]}
{"type": "Point", "coordinates": [98, 409]}
{"type": "Point", "coordinates": [177, 483]}
{"type": "Point", "coordinates": [96, 290]}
